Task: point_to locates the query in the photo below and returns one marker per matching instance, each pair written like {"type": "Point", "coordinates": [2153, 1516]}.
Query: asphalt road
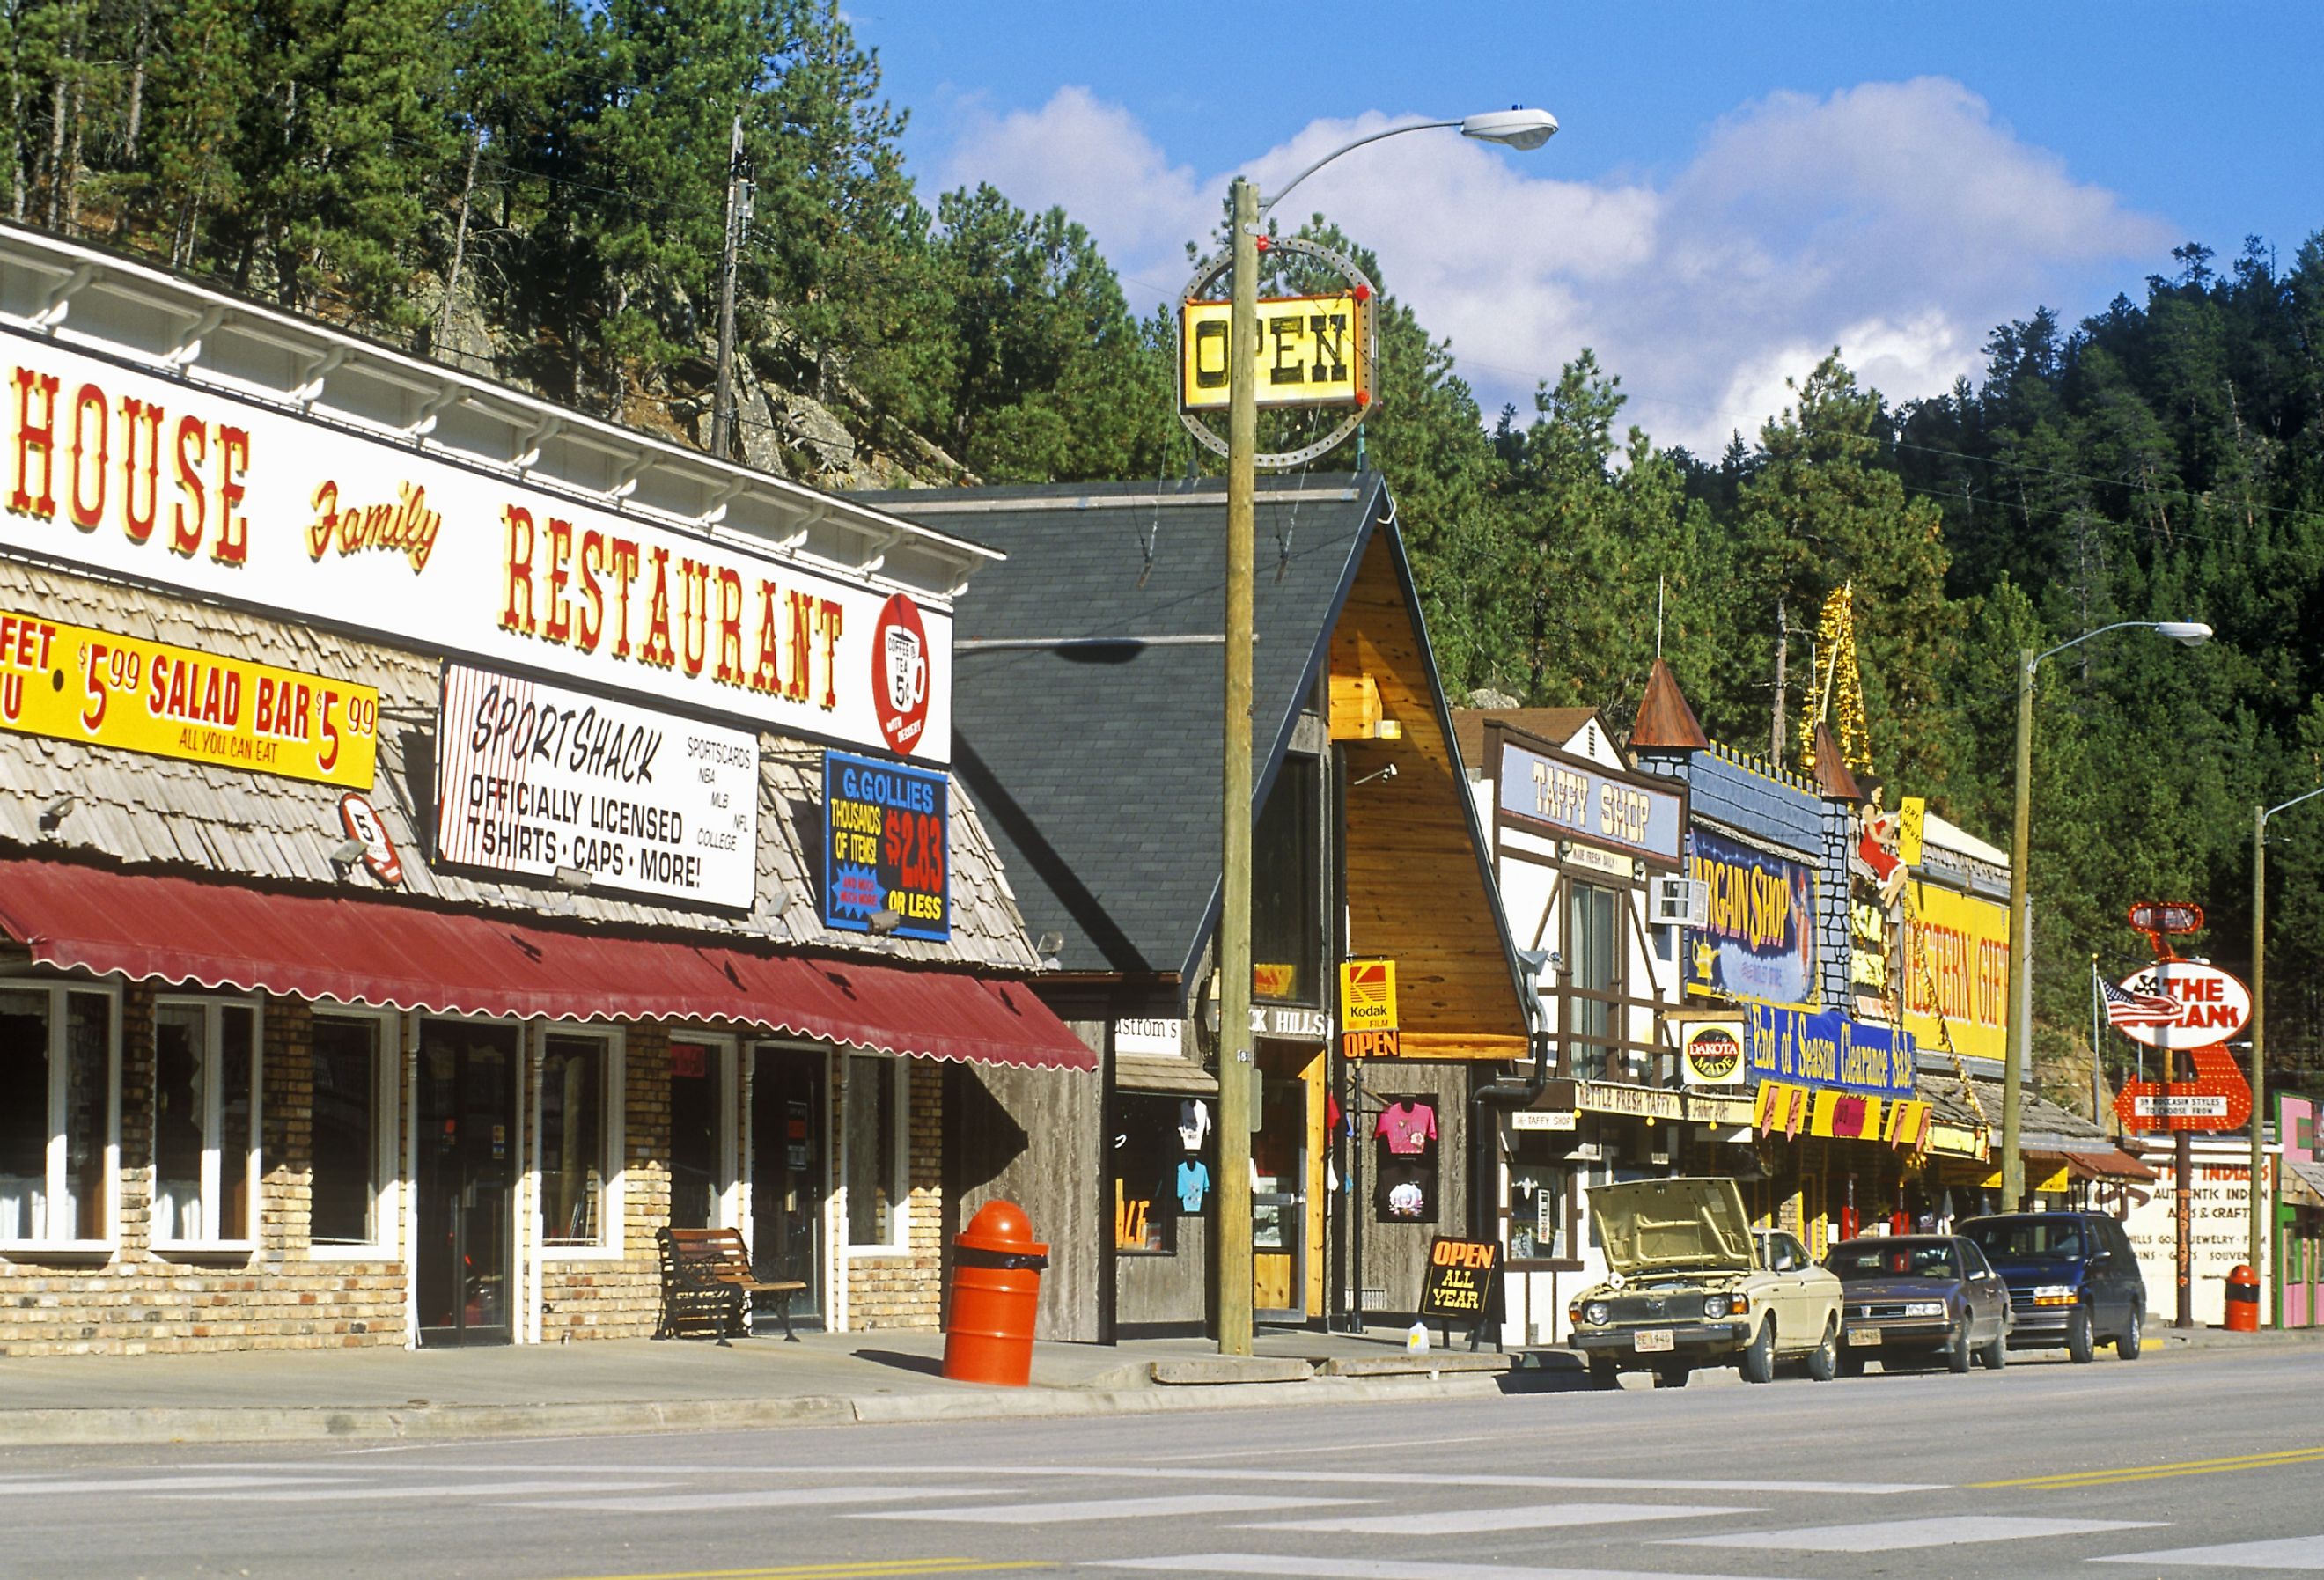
{"type": "Point", "coordinates": [2171, 1466]}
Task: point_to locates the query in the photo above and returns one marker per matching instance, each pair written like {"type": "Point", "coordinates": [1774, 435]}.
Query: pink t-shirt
{"type": "Point", "coordinates": [1409, 1127]}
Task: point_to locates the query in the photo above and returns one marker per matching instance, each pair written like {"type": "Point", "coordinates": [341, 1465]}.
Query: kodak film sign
{"type": "Point", "coordinates": [72, 683]}
{"type": "Point", "coordinates": [199, 491]}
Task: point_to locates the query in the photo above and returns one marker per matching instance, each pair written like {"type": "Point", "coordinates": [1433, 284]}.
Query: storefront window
{"type": "Point", "coordinates": [871, 1123]}
{"type": "Point", "coordinates": [574, 1133]}
{"type": "Point", "coordinates": [1161, 1153]}
{"type": "Point", "coordinates": [204, 1123]}
{"type": "Point", "coordinates": [1286, 889]}
{"type": "Point", "coordinates": [697, 1109]}
{"type": "Point", "coordinates": [350, 1138]}
{"type": "Point", "coordinates": [1592, 1016]}
{"type": "Point", "coordinates": [1404, 1161]}
{"type": "Point", "coordinates": [1537, 1213]}
{"type": "Point", "coordinates": [56, 1115]}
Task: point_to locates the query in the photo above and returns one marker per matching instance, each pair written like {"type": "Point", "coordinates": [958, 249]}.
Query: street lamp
{"type": "Point", "coordinates": [1515, 128]}
{"type": "Point", "coordinates": [2188, 633]}
{"type": "Point", "coordinates": [2260, 814]}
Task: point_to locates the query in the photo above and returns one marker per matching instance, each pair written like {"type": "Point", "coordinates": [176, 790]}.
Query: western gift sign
{"type": "Point", "coordinates": [1957, 969]}
{"type": "Point", "coordinates": [1829, 1050]}
{"type": "Point", "coordinates": [1568, 796]}
{"type": "Point", "coordinates": [73, 683]}
{"type": "Point", "coordinates": [530, 778]}
{"type": "Point", "coordinates": [196, 490]}
{"type": "Point", "coordinates": [1758, 942]}
{"type": "Point", "coordinates": [885, 842]}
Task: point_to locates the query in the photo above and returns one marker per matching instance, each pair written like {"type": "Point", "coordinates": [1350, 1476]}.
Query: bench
{"type": "Point", "coordinates": [707, 1280]}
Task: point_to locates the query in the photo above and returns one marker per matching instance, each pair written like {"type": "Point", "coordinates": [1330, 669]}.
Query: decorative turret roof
{"type": "Point", "coordinates": [1666, 723]}
{"type": "Point", "coordinates": [1832, 778]}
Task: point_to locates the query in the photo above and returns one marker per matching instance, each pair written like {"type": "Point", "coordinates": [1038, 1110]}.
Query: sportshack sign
{"type": "Point", "coordinates": [195, 489]}
{"type": "Point", "coordinates": [533, 777]}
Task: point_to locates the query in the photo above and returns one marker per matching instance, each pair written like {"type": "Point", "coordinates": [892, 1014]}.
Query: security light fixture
{"type": "Point", "coordinates": [1387, 772]}
{"type": "Point", "coordinates": [347, 853]}
{"type": "Point", "coordinates": [884, 921]}
{"type": "Point", "coordinates": [577, 879]}
{"type": "Point", "coordinates": [55, 812]}
{"type": "Point", "coordinates": [1048, 945]}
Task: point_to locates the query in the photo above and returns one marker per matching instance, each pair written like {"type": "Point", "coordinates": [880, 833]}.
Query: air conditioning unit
{"type": "Point", "coordinates": [1679, 902]}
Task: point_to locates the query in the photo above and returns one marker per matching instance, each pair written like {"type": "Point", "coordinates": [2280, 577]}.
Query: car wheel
{"type": "Point", "coordinates": [1957, 1351]}
{"type": "Point", "coordinates": [1852, 1364]}
{"type": "Point", "coordinates": [1605, 1375]}
{"type": "Point", "coordinates": [2081, 1343]}
{"type": "Point", "coordinates": [1823, 1361]}
{"type": "Point", "coordinates": [2133, 1332]}
{"type": "Point", "coordinates": [1758, 1363]}
{"type": "Point", "coordinates": [1995, 1356]}
{"type": "Point", "coordinates": [1672, 1377]}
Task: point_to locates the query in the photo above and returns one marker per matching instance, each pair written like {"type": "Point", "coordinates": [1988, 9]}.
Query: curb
{"type": "Point", "coordinates": [445, 1423]}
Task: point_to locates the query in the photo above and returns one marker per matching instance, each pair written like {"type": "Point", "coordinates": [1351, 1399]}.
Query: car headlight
{"type": "Point", "coordinates": [1924, 1308]}
{"type": "Point", "coordinates": [2056, 1295]}
{"type": "Point", "coordinates": [1594, 1313]}
{"type": "Point", "coordinates": [1714, 1304]}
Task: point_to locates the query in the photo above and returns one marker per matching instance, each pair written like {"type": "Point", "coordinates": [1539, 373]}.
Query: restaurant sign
{"type": "Point", "coordinates": [1759, 941]}
{"type": "Point", "coordinates": [99, 689]}
{"type": "Point", "coordinates": [886, 847]}
{"type": "Point", "coordinates": [530, 778]}
{"type": "Point", "coordinates": [214, 496]}
{"type": "Point", "coordinates": [1829, 1051]}
{"type": "Point", "coordinates": [1574, 798]}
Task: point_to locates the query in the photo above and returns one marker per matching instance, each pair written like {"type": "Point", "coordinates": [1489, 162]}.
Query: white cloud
{"type": "Point", "coordinates": [1896, 220]}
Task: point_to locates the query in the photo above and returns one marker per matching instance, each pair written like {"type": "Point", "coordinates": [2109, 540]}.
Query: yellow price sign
{"type": "Point", "coordinates": [1912, 812]}
{"type": "Point", "coordinates": [1310, 352]}
{"type": "Point", "coordinates": [1367, 995]}
{"type": "Point", "coordinates": [72, 683]}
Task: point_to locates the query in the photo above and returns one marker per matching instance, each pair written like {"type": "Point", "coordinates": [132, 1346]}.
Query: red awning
{"type": "Point", "coordinates": [366, 951]}
{"type": "Point", "coordinates": [2113, 1165]}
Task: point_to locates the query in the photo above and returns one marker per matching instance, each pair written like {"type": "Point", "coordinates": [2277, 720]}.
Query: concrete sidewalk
{"type": "Point", "coordinates": [639, 1385]}
{"type": "Point", "coordinates": [628, 1385]}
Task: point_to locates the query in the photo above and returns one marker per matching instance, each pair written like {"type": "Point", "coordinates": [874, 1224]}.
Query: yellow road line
{"type": "Point", "coordinates": [2064, 1480]}
{"type": "Point", "coordinates": [842, 1569]}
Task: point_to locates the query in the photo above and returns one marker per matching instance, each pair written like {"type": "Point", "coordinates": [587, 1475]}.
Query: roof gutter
{"type": "Point", "coordinates": [1507, 1093]}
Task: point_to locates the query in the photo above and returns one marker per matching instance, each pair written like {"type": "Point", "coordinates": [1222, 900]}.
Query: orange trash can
{"type": "Point", "coordinates": [996, 1289]}
{"type": "Point", "coordinates": [2243, 1299]}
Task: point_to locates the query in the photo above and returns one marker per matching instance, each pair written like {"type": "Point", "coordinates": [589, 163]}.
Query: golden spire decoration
{"type": "Point", "coordinates": [1837, 698]}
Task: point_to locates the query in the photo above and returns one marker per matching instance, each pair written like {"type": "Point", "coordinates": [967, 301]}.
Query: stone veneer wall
{"type": "Point", "coordinates": [136, 1301]}
{"type": "Point", "coordinates": [907, 1289]}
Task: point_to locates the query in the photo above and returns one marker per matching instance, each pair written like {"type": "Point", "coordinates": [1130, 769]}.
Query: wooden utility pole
{"type": "Point", "coordinates": [738, 218]}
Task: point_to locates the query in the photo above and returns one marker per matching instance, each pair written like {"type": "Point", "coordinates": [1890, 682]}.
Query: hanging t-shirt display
{"type": "Point", "coordinates": [1193, 1122]}
{"type": "Point", "coordinates": [1407, 1200]}
{"type": "Point", "coordinates": [1194, 1185]}
{"type": "Point", "coordinates": [1409, 1127]}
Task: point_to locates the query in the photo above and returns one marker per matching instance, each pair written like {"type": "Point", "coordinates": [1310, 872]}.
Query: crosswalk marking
{"type": "Point", "coordinates": [752, 1498]}
{"type": "Point", "coordinates": [2304, 1554]}
{"type": "Point", "coordinates": [1371, 1480]}
{"type": "Point", "coordinates": [1531, 1517]}
{"type": "Point", "coordinates": [366, 1492]}
{"type": "Point", "coordinates": [165, 1483]}
{"type": "Point", "coordinates": [1891, 1535]}
{"type": "Point", "coordinates": [1278, 1567]}
{"type": "Point", "coordinates": [1105, 1509]}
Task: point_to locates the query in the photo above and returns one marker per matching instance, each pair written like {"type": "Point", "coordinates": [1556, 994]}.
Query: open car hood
{"type": "Point", "coordinates": [1666, 1225]}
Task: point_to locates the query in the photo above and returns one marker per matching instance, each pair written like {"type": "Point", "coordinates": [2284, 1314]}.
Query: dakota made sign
{"type": "Point", "coordinates": [73, 683]}
{"type": "Point", "coordinates": [886, 843]}
{"type": "Point", "coordinates": [205, 493]}
{"type": "Point", "coordinates": [1308, 352]}
{"type": "Point", "coordinates": [530, 778]}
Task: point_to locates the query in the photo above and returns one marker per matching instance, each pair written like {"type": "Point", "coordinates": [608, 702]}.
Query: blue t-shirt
{"type": "Point", "coordinates": [1193, 1183]}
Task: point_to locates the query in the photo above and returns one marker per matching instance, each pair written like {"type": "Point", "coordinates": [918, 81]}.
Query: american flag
{"type": "Point", "coordinates": [2125, 1008]}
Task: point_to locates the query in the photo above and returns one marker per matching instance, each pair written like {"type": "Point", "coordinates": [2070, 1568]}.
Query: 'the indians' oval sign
{"type": "Point", "coordinates": [2178, 1003]}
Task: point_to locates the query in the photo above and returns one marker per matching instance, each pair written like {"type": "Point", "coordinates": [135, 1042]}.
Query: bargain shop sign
{"type": "Point", "coordinates": [209, 495]}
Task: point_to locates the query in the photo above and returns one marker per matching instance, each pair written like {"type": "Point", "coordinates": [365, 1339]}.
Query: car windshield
{"type": "Point", "coordinates": [2023, 1239]}
{"type": "Point", "coordinates": [1907, 1259]}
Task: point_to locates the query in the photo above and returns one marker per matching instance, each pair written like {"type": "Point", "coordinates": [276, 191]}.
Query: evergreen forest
{"type": "Point", "coordinates": [539, 190]}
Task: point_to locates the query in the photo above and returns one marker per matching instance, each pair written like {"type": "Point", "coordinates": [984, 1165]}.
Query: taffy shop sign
{"type": "Point", "coordinates": [886, 832]}
{"type": "Point", "coordinates": [1568, 796]}
{"type": "Point", "coordinates": [100, 688]}
{"type": "Point", "coordinates": [1829, 1050]}
{"type": "Point", "coordinates": [106, 469]}
{"type": "Point", "coordinates": [530, 778]}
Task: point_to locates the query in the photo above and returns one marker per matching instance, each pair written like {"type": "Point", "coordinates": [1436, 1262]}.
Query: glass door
{"type": "Point", "coordinates": [1278, 1199]}
{"type": "Point", "coordinates": [465, 1201]}
{"type": "Point", "coordinates": [787, 1126]}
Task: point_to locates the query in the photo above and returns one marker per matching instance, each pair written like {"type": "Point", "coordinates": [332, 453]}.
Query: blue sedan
{"type": "Point", "coordinates": [1912, 1300]}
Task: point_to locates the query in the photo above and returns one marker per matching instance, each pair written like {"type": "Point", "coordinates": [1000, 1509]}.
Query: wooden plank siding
{"type": "Point", "coordinates": [1416, 890]}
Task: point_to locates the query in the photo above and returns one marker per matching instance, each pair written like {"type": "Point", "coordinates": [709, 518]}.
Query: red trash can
{"type": "Point", "coordinates": [996, 1289]}
{"type": "Point", "coordinates": [2243, 1299]}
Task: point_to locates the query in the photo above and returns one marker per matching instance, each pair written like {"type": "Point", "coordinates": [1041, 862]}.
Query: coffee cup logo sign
{"type": "Point", "coordinates": [901, 654]}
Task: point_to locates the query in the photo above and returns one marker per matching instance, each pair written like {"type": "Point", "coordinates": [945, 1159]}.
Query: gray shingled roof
{"type": "Point", "coordinates": [155, 811]}
{"type": "Point", "coordinates": [1095, 756]}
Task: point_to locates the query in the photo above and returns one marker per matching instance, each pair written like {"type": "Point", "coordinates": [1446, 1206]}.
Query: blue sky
{"type": "Point", "coordinates": [1736, 188]}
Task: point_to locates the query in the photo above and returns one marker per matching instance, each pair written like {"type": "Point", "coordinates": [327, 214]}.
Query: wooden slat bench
{"type": "Point", "coordinates": [707, 1280]}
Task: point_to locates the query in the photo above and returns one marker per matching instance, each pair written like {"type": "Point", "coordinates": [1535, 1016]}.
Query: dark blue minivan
{"type": "Point", "coordinates": [2073, 1280]}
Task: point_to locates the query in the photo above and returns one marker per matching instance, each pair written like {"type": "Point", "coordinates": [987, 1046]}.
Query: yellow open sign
{"type": "Point", "coordinates": [1311, 352]}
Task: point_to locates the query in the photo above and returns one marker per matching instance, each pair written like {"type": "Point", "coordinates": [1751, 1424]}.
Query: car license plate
{"type": "Point", "coordinates": [1858, 1337]}
{"type": "Point", "coordinates": [1648, 1340]}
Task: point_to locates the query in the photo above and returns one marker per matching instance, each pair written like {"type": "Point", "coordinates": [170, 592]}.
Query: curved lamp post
{"type": "Point", "coordinates": [1515, 128]}
{"type": "Point", "coordinates": [2020, 975]}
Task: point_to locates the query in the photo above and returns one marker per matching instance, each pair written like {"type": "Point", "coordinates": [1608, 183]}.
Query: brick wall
{"type": "Point", "coordinates": [135, 1301]}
